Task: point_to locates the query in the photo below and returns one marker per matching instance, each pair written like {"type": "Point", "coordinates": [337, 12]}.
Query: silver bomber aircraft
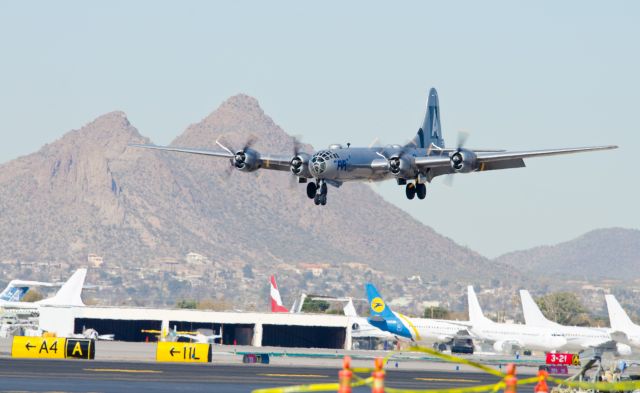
{"type": "Point", "coordinates": [412, 165]}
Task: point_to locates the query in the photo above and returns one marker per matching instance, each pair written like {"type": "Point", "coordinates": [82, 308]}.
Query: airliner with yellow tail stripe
{"type": "Point", "coordinates": [421, 330]}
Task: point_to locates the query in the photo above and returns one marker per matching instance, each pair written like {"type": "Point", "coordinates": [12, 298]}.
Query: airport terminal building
{"type": "Point", "coordinates": [241, 328]}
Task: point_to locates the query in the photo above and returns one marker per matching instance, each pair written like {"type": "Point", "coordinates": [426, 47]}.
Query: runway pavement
{"type": "Point", "coordinates": [22, 375]}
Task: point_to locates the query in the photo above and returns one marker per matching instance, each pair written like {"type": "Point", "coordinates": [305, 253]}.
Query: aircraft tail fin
{"type": "Point", "coordinates": [13, 293]}
{"type": "Point", "coordinates": [70, 292]}
{"type": "Point", "coordinates": [431, 131]}
{"type": "Point", "coordinates": [618, 318]}
{"type": "Point", "coordinates": [381, 316]}
{"type": "Point", "coordinates": [16, 289]}
{"type": "Point", "coordinates": [377, 307]}
{"type": "Point", "coordinates": [349, 309]}
{"type": "Point", "coordinates": [276, 300]}
{"type": "Point", "coordinates": [532, 314]}
{"type": "Point", "coordinates": [476, 317]}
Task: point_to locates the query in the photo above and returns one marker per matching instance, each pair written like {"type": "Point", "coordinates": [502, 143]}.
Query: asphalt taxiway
{"type": "Point", "coordinates": [27, 375]}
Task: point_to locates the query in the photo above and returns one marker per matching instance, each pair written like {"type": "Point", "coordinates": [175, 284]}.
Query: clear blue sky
{"type": "Point", "coordinates": [516, 75]}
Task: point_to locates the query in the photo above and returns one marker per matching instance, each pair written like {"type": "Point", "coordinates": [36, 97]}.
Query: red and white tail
{"type": "Point", "coordinates": [276, 301]}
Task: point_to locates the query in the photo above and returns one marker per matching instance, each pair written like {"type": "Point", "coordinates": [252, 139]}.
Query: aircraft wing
{"type": "Point", "coordinates": [511, 155]}
{"type": "Point", "coordinates": [441, 164]}
{"type": "Point", "coordinates": [268, 161]}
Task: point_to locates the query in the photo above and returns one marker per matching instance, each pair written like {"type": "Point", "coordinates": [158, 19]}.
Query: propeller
{"type": "Point", "coordinates": [239, 156]}
{"type": "Point", "coordinates": [296, 162]}
{"type": "Point", "coordinates": [457, 158]}
{"type": "Point", "coordinates": [393, 161]}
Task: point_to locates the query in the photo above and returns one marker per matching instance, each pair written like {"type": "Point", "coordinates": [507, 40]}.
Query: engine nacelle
{"type": "Point", "coordinates": [464, 161]}
{"type": "Point", "coordinates": [400, 167]}
{"type": "Point", "coordinates": [247, 160]}
{"type": "Point", "coordinates": [299, 165]}
{"type": "Point", "coordinates": [504, 346]}
{"type": "Point", "coordinates": [623, 349]}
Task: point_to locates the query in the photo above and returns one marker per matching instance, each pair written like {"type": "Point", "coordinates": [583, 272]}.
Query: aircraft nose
{"type": "Point", "coordinates": [322, 166]}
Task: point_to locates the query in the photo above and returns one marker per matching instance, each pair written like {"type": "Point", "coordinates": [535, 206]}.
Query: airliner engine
{"type": "Point", "coordinates": [505, 346]}
{"type": "Point", "coordinates": [623, 349]}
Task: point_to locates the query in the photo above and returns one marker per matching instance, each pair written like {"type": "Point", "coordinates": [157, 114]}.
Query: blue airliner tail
{"type": "Point", "coordinates": [13, 293]}
{"type": "Point", "coordinates": [381, 315]}
{"type": "Point", "coordinates": [377, 307]}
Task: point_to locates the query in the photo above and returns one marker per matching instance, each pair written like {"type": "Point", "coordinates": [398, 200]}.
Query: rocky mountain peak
{"type": "Point", "coordinates": [241, 103]}
{"type": "Point", "coordinates": [236, 120]}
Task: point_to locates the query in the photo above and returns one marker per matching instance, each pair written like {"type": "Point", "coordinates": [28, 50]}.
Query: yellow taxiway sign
{"type": "Point", "coordinates": [183, 352]}
{"type": "Point", "coordinates": [38, 347]}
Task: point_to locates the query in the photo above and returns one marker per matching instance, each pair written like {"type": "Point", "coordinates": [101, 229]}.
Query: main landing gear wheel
{"type": "Point", "coordinates": [411, 191]}
{"type": "Point", "coordinates": [311, 190]}
{"type": "Point", "coordinates": [320, 199]}
{"type": "Point", "coordinates": [421, 190]}
{"type": "Point", "coordinates": [319, 192]}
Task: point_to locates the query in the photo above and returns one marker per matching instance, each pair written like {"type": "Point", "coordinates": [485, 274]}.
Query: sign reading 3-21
{"type": "Point", "coordinates": [568, 359]}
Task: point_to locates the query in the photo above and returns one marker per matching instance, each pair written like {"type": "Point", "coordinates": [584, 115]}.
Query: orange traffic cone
{"type": "Point", "coordinates": [345, 376]}
{"type": "Point", "coordinates": [541, 386]}
{"type": "Point", "coordinates": [510, 379]}
{"type": "Point", "coordinates": [378, 377]}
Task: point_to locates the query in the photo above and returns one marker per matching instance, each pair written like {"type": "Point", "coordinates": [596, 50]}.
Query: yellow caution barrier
{"type": "Point", "coordinates": [601, 386]}
{"type": "Point", "coordinates": [52, 348]}
{"type": "Point", "coordinates": [507, 381]}
{"type": "Point", "coordinates": [183, 352]}
{"type": "Point", "coordinates": [455, 359]}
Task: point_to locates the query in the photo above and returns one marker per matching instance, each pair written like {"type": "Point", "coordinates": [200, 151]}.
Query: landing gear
{"type": "Point", "coordinates": [318, 192]}
{"type": "Point", "coordinates": [421, 190]}
{"type": "Point", "coordinates": [411, 191]}
{"type": "Point", "coordinates": [311, 190]}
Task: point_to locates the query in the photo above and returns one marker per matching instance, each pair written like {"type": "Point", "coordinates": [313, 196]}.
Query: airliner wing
{"type": "Point", "coordinates": [267, 161]}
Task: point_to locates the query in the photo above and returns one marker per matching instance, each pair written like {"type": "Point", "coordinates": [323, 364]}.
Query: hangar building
{"type": "Point", "coordinates": [241, 328]}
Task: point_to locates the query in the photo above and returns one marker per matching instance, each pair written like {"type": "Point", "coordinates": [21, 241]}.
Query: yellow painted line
{"type": "Point", "coordinates": [295, 375]}
{"type": "Point", "coordinates": [122, 370]}
{"type": "Point", "coordinates": [447, 380]}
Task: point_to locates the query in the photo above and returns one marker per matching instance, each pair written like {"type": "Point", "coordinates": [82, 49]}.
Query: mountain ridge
{"type": "Point", "coordinates": [589, 256]}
